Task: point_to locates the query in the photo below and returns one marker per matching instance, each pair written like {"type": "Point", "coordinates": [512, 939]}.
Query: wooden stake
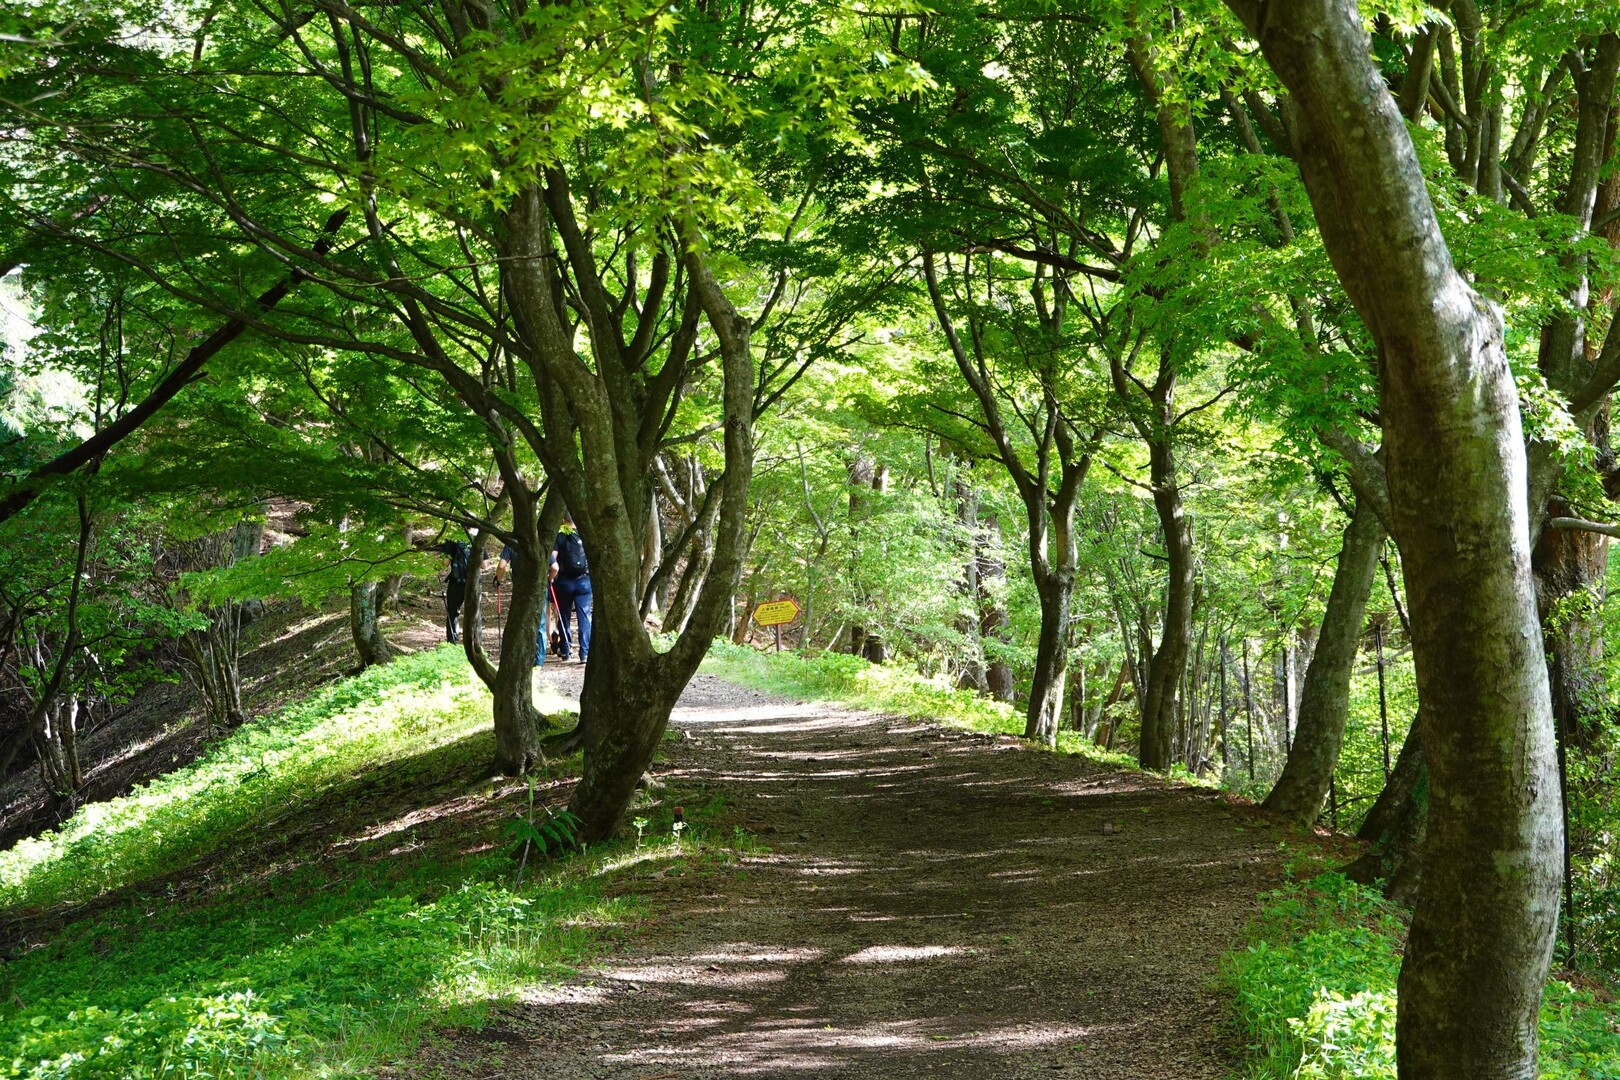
{"type": "Point", "coordinates": [1383, 700]}
{"type": "Point", "coordinates": [1248, 704]}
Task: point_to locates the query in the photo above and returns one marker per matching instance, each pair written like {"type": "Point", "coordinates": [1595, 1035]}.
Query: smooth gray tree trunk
{"type": "Point", "coordinates": [1482, 932]}
{"type": "Point", "coordinates": [365, 600]}
{"type": "Point", "coordinates": [1324, 705]}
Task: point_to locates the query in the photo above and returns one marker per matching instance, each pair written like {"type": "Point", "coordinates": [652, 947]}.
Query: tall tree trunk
{"type": "Point", "coordinates": [864, 477]}
{"type": "Point", "coordinates": [1051, 660]}
{"type": "Point", "coordinates": [1153, 414]}
{"type": "Point", "coordinates": [629, 688]}
{"type": "Point", "coordinates": [1570, 563]}
{"type": "Point", "coordinates": [1396, 825]}
{"type": "Point", "coordinates": [519, 726]}
{"type": "Point", "coordinates": [1282, 692]}
{"type": "Point", "coordinates": [1063, 456]}
{"type": "Point", "coordinates": [639, 693]}
{"type": "Point", "coordinates": [1325, 703]}
{"type": "Point", "coordinates": [369, 644]}
{"type": "Point", "coordinates": [991, 574]}
{"type": "Point", "coordinates": [1571, 568]}
{"type": "Point", "coordinates": [1482, 934]}
{"type": "Point", "coordinates": [1168, 664]}
{"type": "Point", "coordinates": [972, 676]}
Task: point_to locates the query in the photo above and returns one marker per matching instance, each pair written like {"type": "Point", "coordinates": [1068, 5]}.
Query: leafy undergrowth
{"type": "Point", "coordinates": [303, 900]}
{"type": "Point", "coordinates": [1315, 991]}
{"type": "Point", "coordinates": [884, 688]}
{"type": "Point", "coordinates": [259, 774]}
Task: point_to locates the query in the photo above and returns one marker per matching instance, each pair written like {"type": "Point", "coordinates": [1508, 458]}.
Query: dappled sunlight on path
{"type": "Point", "coordinates": [932, 903]}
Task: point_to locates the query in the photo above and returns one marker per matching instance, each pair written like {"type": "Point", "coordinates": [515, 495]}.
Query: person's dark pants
{"type": "Point", "coordinates": [455, 594]}
{"type": "Point", "coordinates": [574, 595]}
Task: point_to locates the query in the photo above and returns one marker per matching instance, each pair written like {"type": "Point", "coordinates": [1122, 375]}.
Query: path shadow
{"type": "Point", "coordinates": [932, 903]}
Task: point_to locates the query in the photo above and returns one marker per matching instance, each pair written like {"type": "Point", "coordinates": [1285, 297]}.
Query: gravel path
{"type": "Point", "coordinates": [934, 903]}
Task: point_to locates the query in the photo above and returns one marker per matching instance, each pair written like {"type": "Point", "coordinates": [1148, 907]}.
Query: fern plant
{"type": "Point", "coordinates": [555, 832]}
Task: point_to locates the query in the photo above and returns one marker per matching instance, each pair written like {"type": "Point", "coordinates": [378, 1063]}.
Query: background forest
{"type": "Point", "coordinates": [1007, 340]}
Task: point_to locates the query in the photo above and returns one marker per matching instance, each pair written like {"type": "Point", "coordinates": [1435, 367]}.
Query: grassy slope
{"type": "Point", "coordinates": [303, 900]}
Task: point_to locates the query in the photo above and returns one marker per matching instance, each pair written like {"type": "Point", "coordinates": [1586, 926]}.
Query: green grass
{"type": "Point", "coordinates": [232, 949]}
{"type": "Point", "coordinates": [885, 688]}
{"type": "Point", "coordinates": [250, 779]}
{"type": "Point", "coordinates": [1315, 993]}
{"type": "Point", "coordinates": [303, 981]}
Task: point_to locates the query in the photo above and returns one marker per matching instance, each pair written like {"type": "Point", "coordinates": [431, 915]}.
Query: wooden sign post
{"type": "Point", "coordinates": [777, 614]}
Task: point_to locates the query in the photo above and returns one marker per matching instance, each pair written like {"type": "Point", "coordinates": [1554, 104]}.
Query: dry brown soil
{"type": "Point", "coordinates": [932, 903]}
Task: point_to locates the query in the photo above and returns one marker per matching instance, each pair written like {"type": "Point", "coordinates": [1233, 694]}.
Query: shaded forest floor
{"type": "Point", "coordinates": [920, 902]}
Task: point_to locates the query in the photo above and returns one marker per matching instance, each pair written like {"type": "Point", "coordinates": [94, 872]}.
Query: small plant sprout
{"type": "Point", "coordinates": [679, 824]}
{"type": "Point", "coordinates": [557, 832]}
{"type": "Point", "coordinates": [641, 826]}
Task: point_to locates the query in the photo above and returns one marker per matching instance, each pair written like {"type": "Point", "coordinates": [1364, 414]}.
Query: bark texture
{"type": "Point", "coordinates": [1324, 704]}
{"type": "Point", "coordinates": [1152, 411]}
{"type": "Point", "coordinates": [1482, 933]}
{"type": "Point", "coordinates": [365, 602]}
{"type": "Point", "coordinates": [1051, 658]}
{"type": "Point", "coordinates": [1571, 568]}
{"type": "Point", "coordinates": [1167, 667]}
{"type": "Point", "coordinates": [630, 688]}
{"type": "Point", "coordinates": [1048, 480]}
{"type": "Point", "coordinates": [519, 726]}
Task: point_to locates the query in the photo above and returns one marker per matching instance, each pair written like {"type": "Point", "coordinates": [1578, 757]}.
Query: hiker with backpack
{"type": "Point", "coordinates": [571, 587]}
{"type": "Point", "coordinates": [546, 640]}
{"type": "Point", "coordinates": [455, 585]}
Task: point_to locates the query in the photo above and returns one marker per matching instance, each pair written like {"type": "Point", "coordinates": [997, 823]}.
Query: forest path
{"type": "Point", "coordinates": [934, 903]}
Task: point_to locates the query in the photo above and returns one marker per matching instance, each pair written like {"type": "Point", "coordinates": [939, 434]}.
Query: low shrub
{"type": "Point", "coordinates": [309, 981]}
{"type": "Point", "coordinates": [1314, 991]}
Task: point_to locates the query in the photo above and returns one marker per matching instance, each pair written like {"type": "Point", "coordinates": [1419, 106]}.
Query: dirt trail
{"type": "Point", "coordinates": [935, 903]}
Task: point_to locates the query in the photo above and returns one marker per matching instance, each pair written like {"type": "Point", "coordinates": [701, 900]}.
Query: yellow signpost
{"type": "Point", "coordinates": [776, 614]}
